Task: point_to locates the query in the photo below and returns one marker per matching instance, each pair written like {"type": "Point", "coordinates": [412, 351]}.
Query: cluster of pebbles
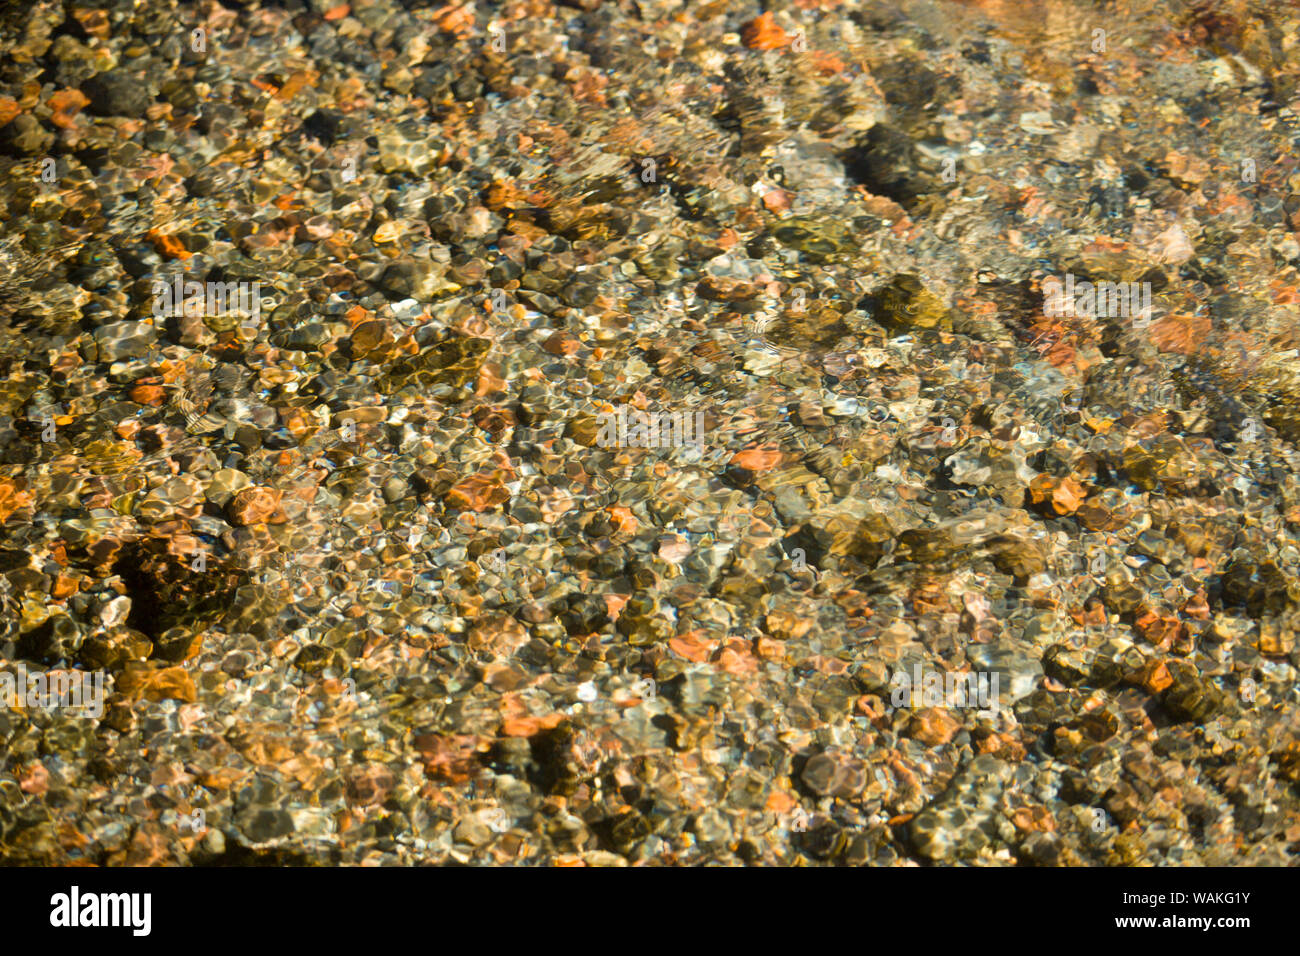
{"type": "Point", "coordinates": [367, 583]}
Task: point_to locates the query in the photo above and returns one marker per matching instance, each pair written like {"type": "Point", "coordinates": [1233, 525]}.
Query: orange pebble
{"type": "Point", "coordinates": [152, 395]}
{"type": "Point", "coordinates": [763, 33]}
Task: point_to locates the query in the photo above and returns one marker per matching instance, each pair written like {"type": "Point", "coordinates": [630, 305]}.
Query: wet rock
{"type": "Point", "coordinates": [117, 93]}
{"type": "Point", "coordinates": [933, 726]}
{"type": "Point", "coordinates": [263, 826]}
{"type": "Point", "coordinates": [25, 136]}
{"type": "Point", "coordinates": [888, 164]}
{"type": "Point", "coordinates": [410, 277]}
{"type": "Point", "coordinates": [1189, 696]}
{"type": "Point", "coordinates": [156, 683]}
{"type": "Point", "coordinates": [967, 818]}
{"type": "Point", "coordinates": [905, 304]}
{"type": "Point", "coordinates": [123, 340]}
{"type": "Point", "coordinates": [253, 505]}
{"type": "Point", "coordinates": [822, 238]}
{"type": "Point", "coordinates": [835, 775]}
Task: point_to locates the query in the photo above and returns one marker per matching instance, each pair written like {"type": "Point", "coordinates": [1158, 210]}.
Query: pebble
{"type": "Point", "coordinates": [361, 566]}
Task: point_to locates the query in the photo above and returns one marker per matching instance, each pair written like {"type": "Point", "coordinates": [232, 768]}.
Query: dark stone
{"type": "Point", "coordinates": [24, 136]}
{"type": "Point", "coordinates": [323, 126]}
{"type": "Point", "coordinates": [886, 161]}
{"type": "Point", "coordinates": [263, 825]}
{"type": "Point", "coordinates": [117, 93]}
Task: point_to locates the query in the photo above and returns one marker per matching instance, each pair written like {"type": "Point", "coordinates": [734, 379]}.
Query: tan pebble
{"type": "Point", "coordinates": [253, 505]}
